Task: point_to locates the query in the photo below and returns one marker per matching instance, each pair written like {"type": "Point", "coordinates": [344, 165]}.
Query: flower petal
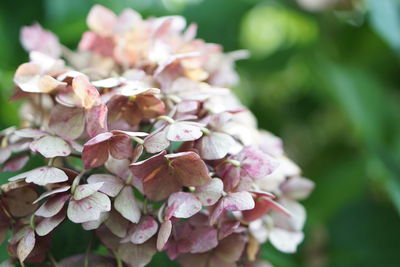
{"type": "Point", "coordinates": [146, 229]}
{"type": "Point", "coordinates": [163, 234]}
{"type": "Point", "coordinates": [101, 20]}
{"type": "Point", "coordinates": [210, 193]}
{"type": "Point", "coordinates": [51, 146]}
{"type": "Point", "coordinates": [186, 205]}
{"type": "Point", "coordinates": [184, 131]}
{"type": "Point", "coordinates": [111, 185]}
{"type": "Point", "coordinates": [52, 206]}
{"type": "Point", "coordinates": [215, 146]}
{"type": "Point", "coordinates": [285, 241]}
{"type": "Point", "coordinates": [96, 120]}
{"type": "Point", "coordinates": [26, 245]}
{"type": "Point", "coordinates": [48, 224]}
{"type": "Point", "coordinates": [86, 190]}
{"type": "Point", "coordinates": [42, 176]}
{"type": "Point", "coordinates": [126, 204]}
{"type": "Point", "coordinates": [88, 209]}
{"type": "Point", "coordinates": [238, 201]}
{"type": "Point", "coordinates": [67, 122]}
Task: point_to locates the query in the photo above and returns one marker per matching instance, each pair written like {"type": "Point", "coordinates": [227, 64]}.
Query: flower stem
{"type": "Point", "coordinates": [53, 260]}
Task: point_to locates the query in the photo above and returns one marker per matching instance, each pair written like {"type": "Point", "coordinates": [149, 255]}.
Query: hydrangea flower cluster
{"type": "Point", "coordinates": [143, 143]}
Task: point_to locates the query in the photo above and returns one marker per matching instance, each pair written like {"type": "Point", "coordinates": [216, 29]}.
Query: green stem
{"type": "Point", "coordinates": [53, 260]}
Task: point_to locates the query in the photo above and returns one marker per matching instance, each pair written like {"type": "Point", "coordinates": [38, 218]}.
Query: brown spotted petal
{"type": "Point", "coordinates": [164, 174]}
{"type": "Point", "coordinates": [19, 200]}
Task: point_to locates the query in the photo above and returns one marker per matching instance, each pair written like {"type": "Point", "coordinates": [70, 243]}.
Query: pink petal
{"type": "Point", "coordinates": [210, 193]}
{"type": "Point", "coordinates": [52, 206]}
{"type": "Point", "coordinates": [228, 228]}
{"type": "Point", "coordinates": [158, 181]}
{"type": "Point", "coordinates": [126, 204]}
{"type": "Point", "coordinates": [111, 184]}
{"type": "Point", "coordinates": [26, 245]}
{"type": "Point", "coordinates": [137, 255]}
{"type": "Point", "coordinates": [256, 163]}
{"type": "Point", "coordinates": [86, 190]}
{"type": "Point", "coordinates": [42, 176]}
{"type": "Point", "coordinates": [35, 38]}
{"type": "Point", "coordinates": [285, 241]}
{"type": "Point", "coordinates": [95, 155]}
{"type": "Point", "coordinates": [230, 249]}
{"type": "Point", "coordinates": [5, 153]}
{"type": "Point", "coordinates": [85, 91]}
{"type": "Point", "coordinates": [88, 209]}
{"type": "Point", "coordinates": [30, 133]}
{"type": "Point", "coordinates": [51, 146]}
{"type": "Point", "coordinates": [297, 188]}
{"type": "Point", "coordinates": [120, 147]}
{"type": "Point", "coordinates": [238, 201]}
{"type": "Point", "coordinates": [92, 225]}
{"type": "Point", "coordinates": [48, 224]}
{"type": "Point", "coordinates": [163, 234]}
{"type": "Point", "coordinates": [156, 141]}
{"type": "Point", "coordinates": [215, 146]}
{"type": "Point", "coordinates": [118, 167]}
{"type": "Point", "coordinates": [189, 168]}
{"type": "Point", "coordinates": [66, 122]}
{"type": "Point", "coordinates": [146, 229]}
{"type": "Point", "coordinates": [15, 163]}
{"type": "Point", "coordinates": [52, 192]}
{"type": "Point", "coordinates": [204, 239]}
{"type": "Point", "coordinates": [101, 20]}
{"type": "Point", "coordinates": [117, 224]}
{"type": "Point", "coordinates": [184, 131]}
{"type": "Point", "coordinates": [96, 120]}
{"type": "Point", "coordinates": [187, 204]}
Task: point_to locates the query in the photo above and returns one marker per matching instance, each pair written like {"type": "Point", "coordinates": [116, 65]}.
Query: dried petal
{"type": "Point", "coordinates": [88, 209]}
{"type": "Point", "coordinates": [238, 201]}
{"type": "Point", "coordinates": [48, 224]}
{"type": "Point", "coordinates": [26, 245]}
{"type": "Point", "coordinates": [163, 234]}
{"type": "Point", "coordinates": [111, 184]}
{"type": "Point", "coordinates": [52, 206]}
{"type": "Point", "coordinates": [42, 176]}
{"type": "Point", "coordinates": [210, 193]}
{"type": "Point", "coordinates": [67, 122]}
{"type": "Point", "coordinates": [145, 230]}
{"type": "Point", "coordinates": [186, 205]}
{"type": "Point", "coordinates": [86, 190]}
{"type": "Point", "coordinates": [126, 204]}
{"type": "Point", "coordinates": [51, 146]}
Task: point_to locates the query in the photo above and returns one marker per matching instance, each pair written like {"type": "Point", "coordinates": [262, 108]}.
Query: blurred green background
{"type": "Point", "coordinates": [324, 75]}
